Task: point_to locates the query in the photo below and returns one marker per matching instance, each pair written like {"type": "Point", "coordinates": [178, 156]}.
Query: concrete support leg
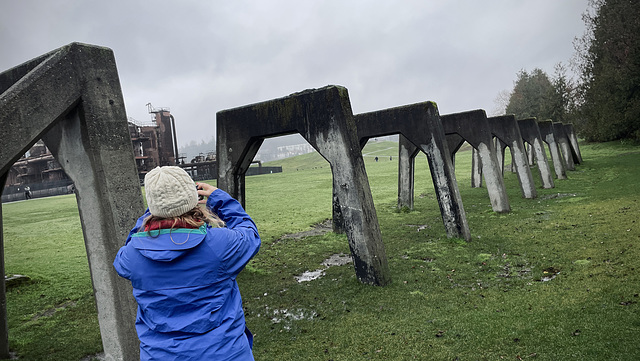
{"type": "Point", "coordinates": [353, 195]}
{"type": "Point", "coordinates": [566, 154]}
{"type": "Point", "coordinates": [114, 298]}
{"type": "Point", "coordinates": [556, 158]}
{"type": "Point", "coordinates": [543, 164]}
{"type": "Point", "coordinates": [476, 169]}
{"type": "Point", "coordinates": [529, 154]}
{"type": "Point", "coordinates": [454, 143]}
{"type": "Point", "coordinates": [4, 326]}
{"type": "Point", "coordinates": [493, 179]}
{"type": "Point", "coordinates": [71, 98]}
{"type": "Point", "coordinates": [446, 187]}
{"type": "Point", "coordinates": [573, 141]}
{"type": "Point", "coordinates": [406, 172]}
{"type": "Point", "coordinates": [521, 164]}
{"type": "Point", "coordinates": [500, 154]}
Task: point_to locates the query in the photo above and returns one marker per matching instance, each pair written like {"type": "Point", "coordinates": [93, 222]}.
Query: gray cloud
{"type": "Point", "coordinates": [199, 57]}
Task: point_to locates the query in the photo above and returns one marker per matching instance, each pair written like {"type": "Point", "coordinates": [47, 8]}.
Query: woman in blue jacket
{"type": "Point", "coordinates": [183, 262]}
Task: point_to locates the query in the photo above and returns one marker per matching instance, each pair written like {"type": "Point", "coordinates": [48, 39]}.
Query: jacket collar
{"type": "Point", "coordinates": [169, 239]}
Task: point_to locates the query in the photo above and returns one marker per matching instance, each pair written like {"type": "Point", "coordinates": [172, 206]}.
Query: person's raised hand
{"type": "Point", "coordinates": [204, 191]}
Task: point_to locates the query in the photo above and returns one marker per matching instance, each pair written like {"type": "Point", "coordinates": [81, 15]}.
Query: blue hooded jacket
{"type": "Point", "coordinates": [184, 280]}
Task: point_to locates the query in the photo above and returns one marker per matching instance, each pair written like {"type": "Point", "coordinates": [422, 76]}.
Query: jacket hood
{"type": "Point", "coordinates": [166, 245]}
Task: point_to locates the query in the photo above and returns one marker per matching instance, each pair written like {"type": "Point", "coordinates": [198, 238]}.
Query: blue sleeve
{"type": "Point", "coordinates": [241, 234]}
{"type": "Point", "coordinates": [120, 262]}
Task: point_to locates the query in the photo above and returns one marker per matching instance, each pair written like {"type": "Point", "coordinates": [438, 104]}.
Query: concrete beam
{"type": "Point", "coordinates": [420, 125]}
{"type": "Point", "coordinates": [71, 98]}
{"type": "Point", "coordinates": [324, 118]}
{"type": "Point", "coordinates": [474, 128]}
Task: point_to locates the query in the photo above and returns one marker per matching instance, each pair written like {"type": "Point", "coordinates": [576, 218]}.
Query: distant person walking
{"type": "Point", "coordinates": [27, 193]}
{"type": "Point", "coordinates": [182, 262]}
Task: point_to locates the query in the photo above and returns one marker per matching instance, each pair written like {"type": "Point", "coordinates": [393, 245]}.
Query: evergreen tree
{"type": "Point", "coordinates": [531, 95]}
{"type": "Point", "coordinates": [561, 105]}
{"type": "Point", "coordinates": [608, 58]}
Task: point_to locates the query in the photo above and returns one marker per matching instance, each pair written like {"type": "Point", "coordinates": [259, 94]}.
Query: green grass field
{"type": "Point", "coordinates": [555, 279]}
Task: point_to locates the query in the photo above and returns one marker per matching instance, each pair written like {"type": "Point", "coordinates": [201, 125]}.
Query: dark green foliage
{"type": "Point", "coordinates": [536, 95]}
{"type": "Point", "coordinates": [608, 56]}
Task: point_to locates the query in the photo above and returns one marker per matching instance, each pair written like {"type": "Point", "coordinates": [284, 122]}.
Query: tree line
{"type": "Point", "coordinates": [603, 102]}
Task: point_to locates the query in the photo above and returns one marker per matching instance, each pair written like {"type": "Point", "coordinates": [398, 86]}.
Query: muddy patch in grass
{"type": "Point", "coordinates": [319, 229]}
{"type": "Point", "coordinates": [340, 259]}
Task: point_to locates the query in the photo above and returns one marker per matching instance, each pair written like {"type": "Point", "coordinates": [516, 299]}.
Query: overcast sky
{"type": "Point", "coordinates": [197, 57]}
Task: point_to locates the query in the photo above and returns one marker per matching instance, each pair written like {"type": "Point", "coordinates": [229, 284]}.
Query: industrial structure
{"type": "Point", "coordinates": [154, 144]}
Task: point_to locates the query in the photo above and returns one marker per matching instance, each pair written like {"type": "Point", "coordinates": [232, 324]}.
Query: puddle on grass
{"type": "Point", "coordinates": [286, 316]}
{"type": "Point", "coordinates": [549, 278]}
{"type": "Point", "coordinates": [558, 195]}
{"type": "Point", "coordinates": [310, 275]}
{"type": "Point", "coordinates": [550, 273]}
{"type": "Point", "coordinates": [335, 260]}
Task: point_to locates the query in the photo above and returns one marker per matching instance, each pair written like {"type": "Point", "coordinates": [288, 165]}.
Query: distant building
{"type": "Point", "coordinates": [40, 172]}
{"type": "Point", "coordinates": [154, 144]}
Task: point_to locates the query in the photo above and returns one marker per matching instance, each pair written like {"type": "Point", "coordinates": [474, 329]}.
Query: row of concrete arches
{"type": "Point", "coordinates": [71, 98]}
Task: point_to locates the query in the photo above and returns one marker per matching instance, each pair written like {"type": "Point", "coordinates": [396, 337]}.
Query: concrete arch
{"type": "Point", "coordinates": [324, 118]}
{"type": "Point", "coordinates": [71, 98]}
{"type": "Point", "coordinates": [549, 136]}
{"type": "Point", "coordinates": [420, 128]}
{"type": "Point", "coordinates": [565, 146]}
{"type": "Point", "coordinates": [506, 130]}
{"type": "Point", "coordinates": [531, 134]}
{"type": "Point", "coordinates": [473, 127]}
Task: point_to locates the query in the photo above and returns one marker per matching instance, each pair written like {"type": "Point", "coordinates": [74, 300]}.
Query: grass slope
{"type": "Point", "coordinates": [554, 279]}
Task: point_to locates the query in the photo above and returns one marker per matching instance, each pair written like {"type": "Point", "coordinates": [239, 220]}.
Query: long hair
{"type": "Point", "coordinates": [195, 217]}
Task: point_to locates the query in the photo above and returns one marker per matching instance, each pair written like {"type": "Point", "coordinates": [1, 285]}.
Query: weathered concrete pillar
{"type": "Point", "coordinates": [324, 118]}
{"type": "Point", "coordinates": [506, 129]}
{"type": "Point", "coordinates": [546, 131]}
{"type": "Point", "coordinates": [573, 141]}
{"type": "Point", "coordinates": [474, 128]}
{"type": "Point", "coordinates": [407, 153]}
{"type": "Point", "coordinates": [420, 124]}
{"type": "Point", "coordinates": [4, 326]}
{"type": "Point", "coordinates": [500, 154]}
{"type": "Point", "coordinates": [563, 144]}
{"type": "Point", "coordinates": [476, 168]}
{"type": "Point", "coordinates": [454, 142]}
{"type": "Point", "coordinates": [531, 134]}
{"type": "Point", "coordinates": [529, 153]}
{"type": "Point", "coordinates": [72, 99]}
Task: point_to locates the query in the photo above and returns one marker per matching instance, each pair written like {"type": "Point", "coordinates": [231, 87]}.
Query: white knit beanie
{"type": "Point", "coordinates": [170, 191]}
